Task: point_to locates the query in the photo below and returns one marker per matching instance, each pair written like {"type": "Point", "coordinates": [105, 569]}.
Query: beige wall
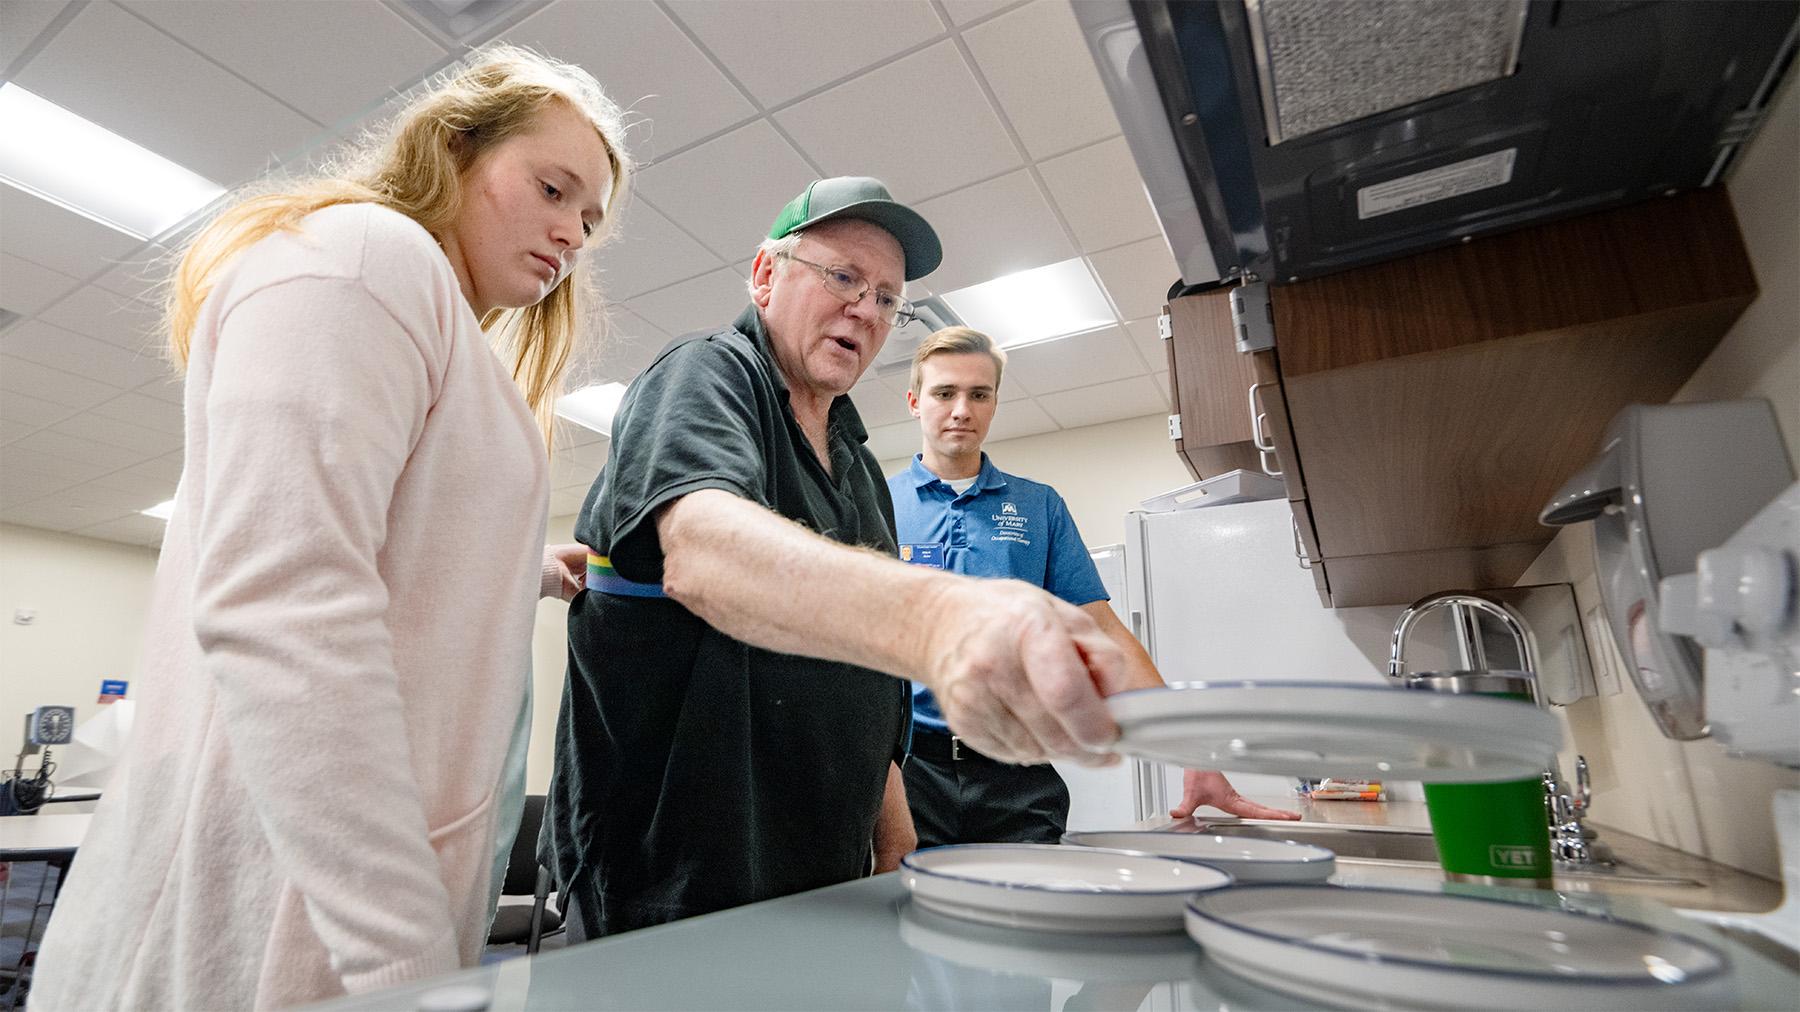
{"type": "Point", "coordinates": [1692, 795]}
{"type": "Point", "coordinates": [1102, 471]}
{"type": "Point", "coordinates": [90, 598]}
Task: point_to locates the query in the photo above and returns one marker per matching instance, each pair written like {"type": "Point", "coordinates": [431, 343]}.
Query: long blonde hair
{"type": "Point", "coordinates": [416, 168]}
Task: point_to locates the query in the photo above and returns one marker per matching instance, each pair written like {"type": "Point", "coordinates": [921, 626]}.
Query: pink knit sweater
{"type": "Point", "coordinates": [337, 650]}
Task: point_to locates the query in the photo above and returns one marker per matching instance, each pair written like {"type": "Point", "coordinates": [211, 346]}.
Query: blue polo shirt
{"type": "Point", "coordinates": [1002, 527]}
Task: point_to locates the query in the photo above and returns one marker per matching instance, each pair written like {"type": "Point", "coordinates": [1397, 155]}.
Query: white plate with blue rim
{"type": "Point", "coordinates": [1046, 887]}
{"type": "Point", "coordinates": [1404, 949]}
{"type": "Point", "coordinates": [1247, 859]}
{"type": "Point", "coordinates": [1318, 729]}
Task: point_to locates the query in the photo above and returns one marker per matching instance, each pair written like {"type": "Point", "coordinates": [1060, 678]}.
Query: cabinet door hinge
{"type": "Point", "coordinates": [1164, 329]}
{"type": "Point", "coordinates": [1174, 426]}
{"type": "Point", "coordinates": [1251, 318]}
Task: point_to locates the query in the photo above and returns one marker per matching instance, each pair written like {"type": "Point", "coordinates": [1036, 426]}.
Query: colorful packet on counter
{"type": "Point", "coordinates": [1337, 789]}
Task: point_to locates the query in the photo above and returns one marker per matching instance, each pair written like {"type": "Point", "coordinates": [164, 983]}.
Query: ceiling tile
{"type": "Point", "coordinates": [1049, 88]}
{"type": "Point", "coordinates": [139, 275]}
{"type": "Point", "coordinates": [46, 515]}
{"type": "Point", "coordinates": [18, 376]}
{"type": "Point", "coordinates": [1148, 342]}
{"type": "Point", "coordinates": [11, 430]}
{"type": "Point", "coordinates": [61, 240]}
{"type": "Point", "coordinates": [646, 64]}
{"type": "Point", "coordinates": [20, 487]}
{"type": "Point", "coordinates": [944, 134]}
{"type": "Point", "coordinates": [1137, 276]}
{"type": "Point", "coordinates": [170, 388]}
{"type": "Point", "coordinates": [1161, 379]}
{"type": "Point", "coordinates": [113, 432]}
{"type": "Point", "coordinates": [781, 49]}
{"type": "Point", "coordinates": [964, 11]}
{"type": "Point", "coordinates": [82, 451]}
{"type": "Point", "coordinates": [711, 300]}
{"type": "Point", "coordinates": [137, 409]}
{"type": "Point", "coordinates": [130, 324]}
{"type": "Point", "coordinates": [591, 455]}
{"type": "Point", "coordinates": [26, 286]}
{"type": "Point", "coordinates": [145, 490]}
{"type": "Point", "coordinates": [277, 45]}
{"type": "Point", "coordinates": [1018, 420]}
{"type": "Point", "coordinates": [565, 473]}
{"type": "Point", "coordinates": [567, 501]}
{"type": "Point", "coordinates": [878, 405]}
{"type": "Point", "coordinates": [131, 530]}
{"type": "Point", "coordinates": [1068, 362]}
{"type": "Point", "coordinates": [20, 25]}
{"type": "Point", "coordinates": [993, 229]}
{"type": "Point", "coordinates": [630, 346]}
{"type": "Point", "coordinates": [1106, 402]}
{"type": "Point", "coordinates": [166, 468]}
{"type": "Point", "coordinates": [33, 411]}
{"type": "Point", "coordinates": [649, 253]}
{"type": "Point", "coordinates": [1099, 192]}
{"type": "Point", "coordinates": [18, 458]}
{"type": "Point", "coordinates": [901, 439]}
{"type": "Point", "coordinates": [36, 341]}
{"type": "Point", "coordinates": [121, 73]}
{"type": "Point", "coordinates": [730, 219]}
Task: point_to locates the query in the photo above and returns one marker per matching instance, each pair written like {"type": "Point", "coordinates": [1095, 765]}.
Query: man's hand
{"type": "Point", "coordinates": [572, 560]}
{"type": "Point", "coordinates": [1209, 787]}
{"type": "Point", "coordinates": [1020, 674]}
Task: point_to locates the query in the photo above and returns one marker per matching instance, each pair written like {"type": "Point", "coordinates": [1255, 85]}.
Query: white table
{"type": "Point", "coordinates": [41, 837]}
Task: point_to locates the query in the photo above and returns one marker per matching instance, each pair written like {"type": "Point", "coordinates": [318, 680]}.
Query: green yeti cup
{"type": "Point", "coordinates": [1498, 833]}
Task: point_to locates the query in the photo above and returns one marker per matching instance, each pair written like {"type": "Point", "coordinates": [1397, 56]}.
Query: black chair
{"type": "Point", "coordinates": [515, 923]}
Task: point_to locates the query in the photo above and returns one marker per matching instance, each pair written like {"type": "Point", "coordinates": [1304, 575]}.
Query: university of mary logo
{"type": "Point", "coordinates": [1010, 525]}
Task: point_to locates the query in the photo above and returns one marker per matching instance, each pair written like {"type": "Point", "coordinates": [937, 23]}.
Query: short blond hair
{"type": "Point", "coordinates": [958, 341]}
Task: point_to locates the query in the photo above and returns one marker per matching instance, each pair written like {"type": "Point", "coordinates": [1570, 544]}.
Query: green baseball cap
{"type": "Point", "coordinates": [866, 198]}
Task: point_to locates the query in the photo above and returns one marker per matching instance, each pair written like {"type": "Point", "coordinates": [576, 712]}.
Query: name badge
{"type": "Point", "coordinates": [923, 555]}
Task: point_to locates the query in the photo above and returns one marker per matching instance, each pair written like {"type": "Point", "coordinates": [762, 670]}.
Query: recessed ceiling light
{"type": "Point", "coordinates": [161, 511]}
{"type": "Point", "coordinates": [1034, 305]}
{"type": "Point", "coordinates": [592, 407]}
{"type": "Point", "coordinates": [52, 153]}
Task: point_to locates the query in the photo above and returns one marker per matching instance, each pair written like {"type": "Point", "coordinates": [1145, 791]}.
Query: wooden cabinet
{"type": "Point", "coordinates": [1423, 410]}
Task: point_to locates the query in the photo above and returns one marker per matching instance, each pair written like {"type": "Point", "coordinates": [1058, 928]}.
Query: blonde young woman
{"type": "Point", "coordinates": [347, 588]}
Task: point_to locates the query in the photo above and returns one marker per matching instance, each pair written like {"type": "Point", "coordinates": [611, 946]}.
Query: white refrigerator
{"type": "Point", "coordinates": [1217, 593]}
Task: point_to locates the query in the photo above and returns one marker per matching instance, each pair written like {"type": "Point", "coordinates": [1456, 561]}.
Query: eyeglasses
{"type": "Point", "coordinates": [850, 286]}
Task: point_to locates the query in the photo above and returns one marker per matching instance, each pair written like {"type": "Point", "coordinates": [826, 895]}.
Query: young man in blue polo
{"type": "Point", "coordinates": [954, 510]}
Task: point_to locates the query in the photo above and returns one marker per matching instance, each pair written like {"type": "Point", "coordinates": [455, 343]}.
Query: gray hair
{"type": "Point", "coordinates": [774, 248]}
{"type": "Point", "coordinates": [785, 246]}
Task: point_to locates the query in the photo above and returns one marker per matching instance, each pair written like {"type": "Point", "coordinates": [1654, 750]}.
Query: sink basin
{"type": "Point", "coordinates": [1405, 846]}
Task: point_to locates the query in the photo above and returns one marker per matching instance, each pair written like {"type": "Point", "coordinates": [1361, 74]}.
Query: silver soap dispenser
{"type": "Point", "coordinates": [1671, 481]}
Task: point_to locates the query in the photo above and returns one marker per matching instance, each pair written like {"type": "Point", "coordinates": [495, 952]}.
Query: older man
{"type": "Point", "coordinates": [955, 510]}
{"type": "Point", "coordinates": [736, 703]}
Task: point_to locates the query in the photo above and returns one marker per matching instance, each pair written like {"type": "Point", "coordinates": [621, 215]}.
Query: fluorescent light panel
{"type": "Point", "coordinates": [1034, 305]}
{"type": "Point", "coordinates": [52, 153]}
{"type": "Point", "coordinates": [161, 511]}
{"type": "Point", "coordinates": [592, 407]}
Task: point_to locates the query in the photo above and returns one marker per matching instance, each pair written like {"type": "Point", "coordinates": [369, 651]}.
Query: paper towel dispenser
{"type": "Point", "coordinates": [1671, 481]}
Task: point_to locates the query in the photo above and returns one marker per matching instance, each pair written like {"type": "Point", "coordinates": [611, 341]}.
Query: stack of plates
{"type": "Point", "coordinates": [1052, 888]}
{"type": "Point", "coordinates": [1399, 949]}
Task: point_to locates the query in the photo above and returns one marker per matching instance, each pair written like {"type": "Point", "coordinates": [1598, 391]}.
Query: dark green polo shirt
{"type": "Point", "coordinates": [693, 771]}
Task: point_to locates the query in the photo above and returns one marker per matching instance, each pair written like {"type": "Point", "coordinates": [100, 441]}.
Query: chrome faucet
{"type": "Point", "coordinates": [1566, 804]}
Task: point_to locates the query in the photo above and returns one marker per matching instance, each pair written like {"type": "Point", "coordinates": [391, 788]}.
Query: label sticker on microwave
{"type": "Point", "coordinates": [1446, 181]}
